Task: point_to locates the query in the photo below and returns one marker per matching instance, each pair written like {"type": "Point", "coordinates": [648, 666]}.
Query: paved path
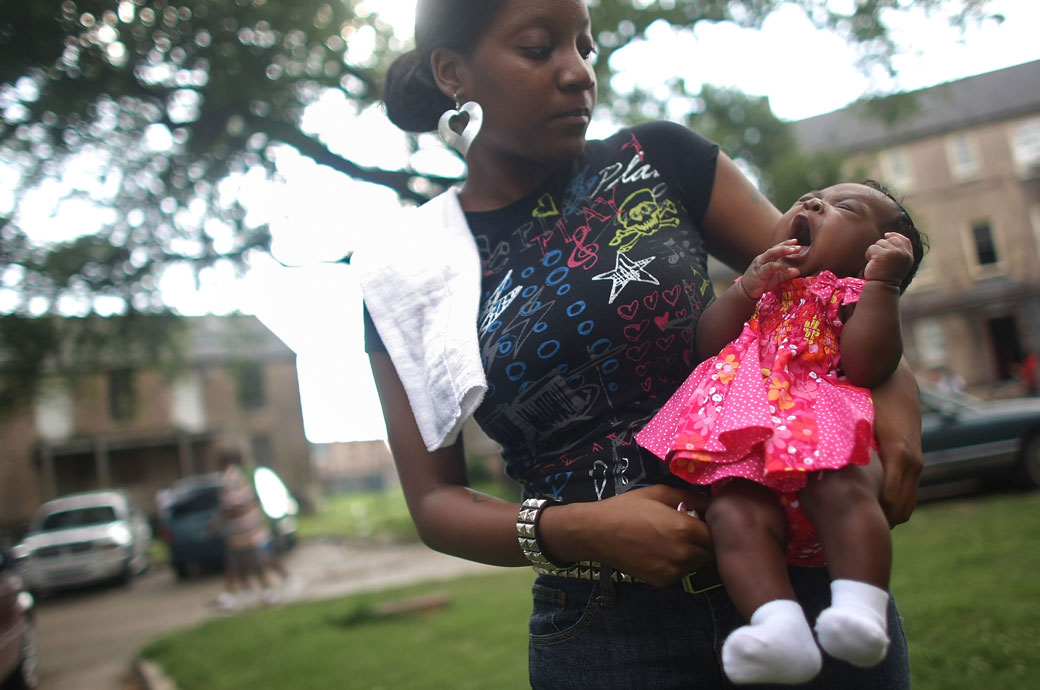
{"type": "Point", "coordinates": [89, 639]}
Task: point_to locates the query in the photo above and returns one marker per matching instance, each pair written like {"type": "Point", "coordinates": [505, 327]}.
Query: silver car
{"type": "Point", "coordinates": [81, 539]}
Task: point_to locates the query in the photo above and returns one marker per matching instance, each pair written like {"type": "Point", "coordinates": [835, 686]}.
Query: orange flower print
{"type": "Point", "coordinates": [727, 368]}
{"type": "Point", "coordinates": [779, 393]}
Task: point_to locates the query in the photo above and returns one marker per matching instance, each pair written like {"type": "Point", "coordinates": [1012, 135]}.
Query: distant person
{"type": "Point", "coordinates": [950, 383]}
{"type": "Point", "coordinates": [1027, 372]}
{"type": "Point", "coordinates": [250, 544]}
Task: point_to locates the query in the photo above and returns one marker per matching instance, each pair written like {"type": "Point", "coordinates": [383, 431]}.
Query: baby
{"type": "Point", "coordinates": [794, 347]}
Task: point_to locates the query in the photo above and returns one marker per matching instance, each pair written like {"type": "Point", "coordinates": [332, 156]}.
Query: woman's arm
{"type": "Point", "coordinates": [739, 222]}
{"type": "Point", "coordinates": [639, 532]}
{"type": "Point", "coordinates": [897, 428]}
{"type": "Point", "coordinates": [449, 516]}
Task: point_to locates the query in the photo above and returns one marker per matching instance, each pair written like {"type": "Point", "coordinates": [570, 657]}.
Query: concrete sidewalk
{"type": "Point", "coordinates": [329, 569]}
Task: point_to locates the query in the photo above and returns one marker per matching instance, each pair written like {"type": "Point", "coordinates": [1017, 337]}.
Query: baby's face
{"type": "Point", "coordinates": [834, 227]}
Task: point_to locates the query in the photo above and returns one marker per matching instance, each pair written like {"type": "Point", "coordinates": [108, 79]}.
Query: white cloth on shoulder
{"type": "Point", "coordinates": [420, 276]}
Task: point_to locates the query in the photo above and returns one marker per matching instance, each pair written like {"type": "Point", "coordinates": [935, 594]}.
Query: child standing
{"type": "Point", "coordinates": [811, 325]}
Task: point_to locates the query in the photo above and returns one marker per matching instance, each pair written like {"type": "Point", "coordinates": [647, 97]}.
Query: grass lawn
{"type": "Point", "coordinates": [967, 579]}
{"type": "Point", "coordinates": [376, 516]}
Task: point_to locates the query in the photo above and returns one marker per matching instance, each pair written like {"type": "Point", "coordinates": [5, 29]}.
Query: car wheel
{"type": "Point", "coordinates": [27, 675]}
{"type": "Point", "coordinates": [126, 576]}
{"type": "Point", "coordinates": [1029, 469]}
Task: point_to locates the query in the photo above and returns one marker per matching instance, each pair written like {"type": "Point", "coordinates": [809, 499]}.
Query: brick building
{"type": "Point", "coordinates": [139, 428]}
{"type": "Point", "coordinates": [966, 163]}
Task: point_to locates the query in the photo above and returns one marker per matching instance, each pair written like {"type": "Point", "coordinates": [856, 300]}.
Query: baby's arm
{"type": "Point", "coordinates": [871, 343]}
{"type": "Point", "coordinates": [724, 318]}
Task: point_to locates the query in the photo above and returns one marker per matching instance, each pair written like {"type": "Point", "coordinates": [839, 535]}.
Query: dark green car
{"type": "Point", "coordinates": [967, 440]}
{"type": "Point", "coordinates": [191, 525]}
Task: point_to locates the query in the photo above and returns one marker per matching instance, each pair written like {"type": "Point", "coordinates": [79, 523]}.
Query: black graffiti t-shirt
{"type": "Point", "coordinates": [591, 291]}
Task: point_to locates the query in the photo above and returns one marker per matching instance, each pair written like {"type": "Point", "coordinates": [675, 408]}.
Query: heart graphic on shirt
{"type": "Point", "coordinates": [662, 321]}
{"type": "Point", "coordinates": [638, 352]}
{"type": "Point", "coordinates": [671, 295]}
{"type": "Point", "coordinates": [651, 301]}
{"type": "Point", "coordinates": [641, 368]}
{"type": "Point", "coordinates": [634, 330]}
{"type": "Point", "coordinates": [665, 342]}
{"type": "Point", "coordinates": [646, 384]}
{"type": "Point", "coordinates": [628, 311]}
{"type": "Point", "coordinates": [546, 207]}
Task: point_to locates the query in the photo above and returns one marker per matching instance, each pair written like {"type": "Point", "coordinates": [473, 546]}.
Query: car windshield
{"type": "Point", "coordinates": [201, 501]}
{"type": "Point", "coordinates": [78, 517]}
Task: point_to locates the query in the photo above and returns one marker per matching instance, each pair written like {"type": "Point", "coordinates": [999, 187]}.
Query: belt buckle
{"type": "Point", "coordinates": [704, 579]}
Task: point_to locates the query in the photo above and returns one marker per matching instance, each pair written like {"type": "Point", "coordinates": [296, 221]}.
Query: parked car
{"type": "Point", "coordinates": [82, 539]}
{"type": "Point", "coordinates": [966, 439]}
{"type": "Point", "coordinates": [190, 521]}
{"type": "Point", "coordinates": [17, 630]}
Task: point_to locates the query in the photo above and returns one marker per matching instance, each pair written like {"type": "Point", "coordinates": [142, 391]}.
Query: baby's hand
{"type": "Point", "coordinates": [889, 259]}
{"type": "Point", "coordinates": [769, 270]}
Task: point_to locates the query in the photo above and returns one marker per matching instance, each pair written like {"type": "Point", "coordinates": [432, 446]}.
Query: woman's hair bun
{"type": "Point", "coordinates": [413, 101]}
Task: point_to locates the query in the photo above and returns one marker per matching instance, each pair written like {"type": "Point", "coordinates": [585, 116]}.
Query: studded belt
{"type": "Point", "coordinates": [703, 579]}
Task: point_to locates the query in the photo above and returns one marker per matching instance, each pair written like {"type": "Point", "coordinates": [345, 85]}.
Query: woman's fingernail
{"type": "Point", "coordinates": [682, 507]}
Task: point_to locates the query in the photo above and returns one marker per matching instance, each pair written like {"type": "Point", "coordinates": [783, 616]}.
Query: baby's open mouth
{"type": "Point", "coordinates": [801, 231]}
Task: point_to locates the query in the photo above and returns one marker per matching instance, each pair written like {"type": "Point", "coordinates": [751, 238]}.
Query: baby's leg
{"type": "Point", "coordinates": [854, 534]}
{"type": "Point", "coordinates": [748, 527]}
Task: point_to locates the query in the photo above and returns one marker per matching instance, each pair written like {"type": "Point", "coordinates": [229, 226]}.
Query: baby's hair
{"type": "Point", "coordinates": [904, 225]}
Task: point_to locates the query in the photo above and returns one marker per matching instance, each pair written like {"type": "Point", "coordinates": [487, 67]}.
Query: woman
{"type": "Point", "coordinates": [552, 298]}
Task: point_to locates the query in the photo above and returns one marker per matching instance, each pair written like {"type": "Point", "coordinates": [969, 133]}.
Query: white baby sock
{"type": "Point", "coordinates": [777, 647]}
{"type": "Point", "coordinates": [855, 628]}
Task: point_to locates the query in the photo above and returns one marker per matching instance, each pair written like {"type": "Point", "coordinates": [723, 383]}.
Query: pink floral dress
{"type": "Point", "coordinates": [772, 407]}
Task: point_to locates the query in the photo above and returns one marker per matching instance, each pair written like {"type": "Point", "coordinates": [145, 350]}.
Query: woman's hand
{"type": "Point", "coordinates": [639, 532]}
{"type": "Point", "coordinates": [897, 428]}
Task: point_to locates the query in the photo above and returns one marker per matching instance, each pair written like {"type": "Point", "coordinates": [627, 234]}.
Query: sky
{"type": "Point", "coordinates": [314, 305]}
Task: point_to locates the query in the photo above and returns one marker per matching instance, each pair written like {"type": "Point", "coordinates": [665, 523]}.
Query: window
{"type": "Point", "coordinates": [52, 412]}
{"type": "Point", "coordinates": [930, 342]}
{"type": "Point", "coordinates": [1025, 145]}
{"type": "Point", "coordinates": [896, 169]}
{"type": "Point", "coordinates": [250, 385]}
{"type": "Point", "coordinates": [263, 451]}
{"type": "Point", "coordinates": [985, 247]}
{"type": "Point", "coordinates": [963, 161]}
{"type": "Point", "coordinates": [122, 395]}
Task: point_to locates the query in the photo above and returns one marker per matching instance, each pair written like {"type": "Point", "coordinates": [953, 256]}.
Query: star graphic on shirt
{"type": "Point", "coordinates": [626, 271]}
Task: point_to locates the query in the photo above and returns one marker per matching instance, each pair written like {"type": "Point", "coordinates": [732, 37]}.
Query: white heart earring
{"type": "Point", "coordinates": [461, 142]}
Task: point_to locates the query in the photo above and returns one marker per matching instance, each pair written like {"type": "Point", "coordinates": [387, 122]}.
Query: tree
{"type": "Point", "coordinates": [143, 110]}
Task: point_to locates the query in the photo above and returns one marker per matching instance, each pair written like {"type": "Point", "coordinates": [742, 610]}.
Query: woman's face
{"type": "Point", "coordinates": [531, 73]}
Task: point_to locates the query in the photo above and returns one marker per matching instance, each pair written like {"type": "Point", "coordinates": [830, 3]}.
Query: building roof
{"type": "Point", "coordinates": [236, 336]}
{"type": "Point", "coordinates": [989, 97]}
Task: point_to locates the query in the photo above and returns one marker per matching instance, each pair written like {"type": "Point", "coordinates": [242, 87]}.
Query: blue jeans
{"type": "Point", "coordinates": [605, 636]}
